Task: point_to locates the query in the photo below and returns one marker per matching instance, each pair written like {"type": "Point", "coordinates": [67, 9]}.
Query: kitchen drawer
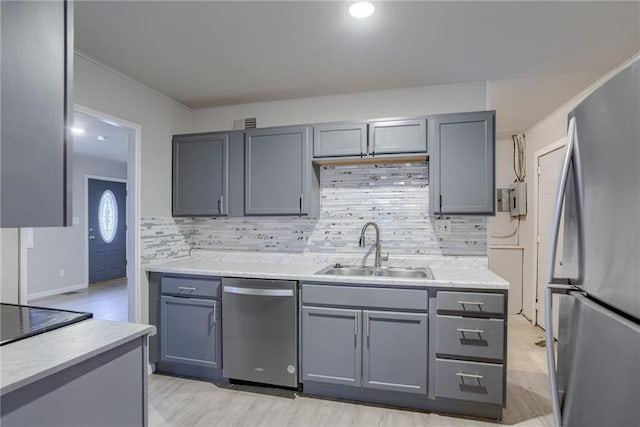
{"type": "Point", "coordinates": [469, 337]}
{"type": "Point", "coordinates": [400, 299]}
{"type": "Point", "coordinates": [470, 302]}
{"type": "Point", "coordinates": [477, 382]}
{"type": "Point", "coordinates": [206, 287]}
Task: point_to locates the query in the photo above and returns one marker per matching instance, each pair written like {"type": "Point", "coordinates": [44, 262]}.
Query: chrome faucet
{"type": "Point", "coordinates": [379, 258]}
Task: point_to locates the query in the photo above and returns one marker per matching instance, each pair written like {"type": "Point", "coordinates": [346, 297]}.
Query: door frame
{"type": "Point", "coordinates": [86, 215]}
{"type": "Point", "coordinates": [134, 291]}
{"type": "Point", "coordinates": [559, 144]}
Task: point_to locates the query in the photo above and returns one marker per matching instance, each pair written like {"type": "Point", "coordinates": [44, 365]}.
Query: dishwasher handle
{"type": "Point", "coordinates": [258, 292]}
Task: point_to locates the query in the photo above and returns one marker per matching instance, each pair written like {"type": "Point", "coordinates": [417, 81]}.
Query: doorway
{"type": "Point", "coordinates": [107, 240]}
{"type": "Point", "coordinates": [61, 266]}
{"type": "Point", "coordinates": [548, 167]}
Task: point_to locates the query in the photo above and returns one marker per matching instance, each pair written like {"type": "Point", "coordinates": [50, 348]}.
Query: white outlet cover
{"type": "Point", "coordinates": [61, 272]}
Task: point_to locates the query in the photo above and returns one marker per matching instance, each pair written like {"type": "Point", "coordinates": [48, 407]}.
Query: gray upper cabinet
{"type": "Point", "coordinates": [395, 351]}
{"type": "Point", "coordinates": [462, 163]}
{"type": "Point", "coordinates": [331, 345]}
{"type": "Point", "coordinates": [398, 137]}
{"type": "Point", "coordinates": [200, 174]}
{"type": "Point", "coordinates": [340, 140]}
{"type": "Point", "coordinates": [36, 111]}
{"type": "Point", "coordinates": [279, 177]}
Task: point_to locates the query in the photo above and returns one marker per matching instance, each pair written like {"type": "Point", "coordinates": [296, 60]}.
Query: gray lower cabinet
{"type": "Point", "coordinates": [191, 331]}
{"type": "Point", "coordinates": [36, 112]}
{"type": "Point", "coordinates": [200, 174]}
{"type": "Point", "coordinates": [279, 176]}
{"type": "Point", "coordinates": [340, 140]}
{"type": "Point", "coordinates": [331, 345]}
{"type": "Point", "coordinates": [395, 351]}
{"type": "Point", "coordinates": [462, 164]}
{"type": "Point", "coordinates": [398, 136]}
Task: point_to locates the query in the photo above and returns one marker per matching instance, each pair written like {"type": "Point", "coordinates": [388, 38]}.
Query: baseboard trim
{"type": "Point", "coordinates": [56, 291]}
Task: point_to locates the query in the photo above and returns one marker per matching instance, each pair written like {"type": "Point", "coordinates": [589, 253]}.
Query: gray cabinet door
{"type": "Point", "coordinates": [398, 136]}
{"type": "Point", "coordinates": [277, 165]}
{"type": "Point", "coordinates": [331, 345]}
{"type": "Point", "coordinates": [339, 139]}
{"type": "Point", "coordinates": [36, 113]}
{"type": "Point", "coordinates": [190, 331]}
{"type": "Point", "coordinates": [200, 174]}
{"type": "Point", "coordinates": [395, 351]}
{"type": "Point", "coordinates": [462, 163]}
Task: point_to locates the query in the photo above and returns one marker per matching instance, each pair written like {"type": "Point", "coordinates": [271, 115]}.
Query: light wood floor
{"type": "Point", "coordinates": [185, 402]}
{"type": "Point", "coordinates": [107, 301]}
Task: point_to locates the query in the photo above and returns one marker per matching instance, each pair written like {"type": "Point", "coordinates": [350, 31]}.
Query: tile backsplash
{"type": "Point", "coordinates": [394, 195]}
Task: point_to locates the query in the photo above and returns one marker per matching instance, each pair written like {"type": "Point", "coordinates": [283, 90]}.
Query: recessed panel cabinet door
{"type": "Point", "coordinates": [191, 331]}
{"type": "Point", "coordinates": [398, 136]}
{"type": "Point", "coordinates": [395, 351]}
{"type": "Point", "coordinates": [339, 140]}
{"type": "Point", "coordinates": [462, 163]}
{"type": "Point", "coordinates": [200, 174]}
{"type": "Point", "coordinates": [35, 113]}
{"type": "Point", "coordinates": [331, 345]}
{"type": "Point", "coordinates": [276, 171]}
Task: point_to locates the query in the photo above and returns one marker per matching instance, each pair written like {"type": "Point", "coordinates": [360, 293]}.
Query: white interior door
{"type": "Point", "coordinates": [549, 168]}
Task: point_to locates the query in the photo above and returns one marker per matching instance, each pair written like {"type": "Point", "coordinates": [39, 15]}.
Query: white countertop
{"type": "Point", "coordinates": [482, 277]}
{"type": "Point", "coordinates": [31, 359]}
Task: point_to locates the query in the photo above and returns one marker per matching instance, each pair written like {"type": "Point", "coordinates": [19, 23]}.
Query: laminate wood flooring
{"type": "Point", "coordinates": [185, 402]}
{"type": "Point", "coordinates": [107, 301]}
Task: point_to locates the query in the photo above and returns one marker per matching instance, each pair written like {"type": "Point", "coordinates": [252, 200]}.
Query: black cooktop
{"type": "Point", "coordinates": [23, 321]}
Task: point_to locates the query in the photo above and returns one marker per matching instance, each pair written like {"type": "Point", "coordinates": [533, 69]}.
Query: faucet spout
{"type": "Point", "coordinates": [362, 240]}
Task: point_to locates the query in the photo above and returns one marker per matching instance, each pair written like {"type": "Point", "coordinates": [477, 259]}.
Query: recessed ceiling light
{"type": "Point", "coordinates": [361, 9]}
{"type": "Point", "coordinates": [102, 138]}
{"type": "Point", "coordinates": [77, 131]}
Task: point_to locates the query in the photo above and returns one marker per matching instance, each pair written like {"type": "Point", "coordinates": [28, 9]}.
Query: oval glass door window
{"type": "Point", "coordinates": [108, 216]}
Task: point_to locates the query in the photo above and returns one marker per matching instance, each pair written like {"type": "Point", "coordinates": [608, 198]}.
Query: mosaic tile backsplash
{"type": "Point", "coordinates": [393, 195]}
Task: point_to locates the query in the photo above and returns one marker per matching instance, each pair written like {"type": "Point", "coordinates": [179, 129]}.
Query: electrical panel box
{"type": "Point", "coordinates": [518, 198]}
{"type": "Point", "coordinates": [502, 196]}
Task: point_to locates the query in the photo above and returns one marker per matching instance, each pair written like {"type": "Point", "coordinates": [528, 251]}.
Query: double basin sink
{"type": "Point", "coordinates": [355, 270]}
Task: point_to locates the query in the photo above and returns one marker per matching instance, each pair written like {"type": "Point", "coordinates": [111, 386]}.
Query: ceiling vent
{"type": "Point", "coordinates": [248, 123]}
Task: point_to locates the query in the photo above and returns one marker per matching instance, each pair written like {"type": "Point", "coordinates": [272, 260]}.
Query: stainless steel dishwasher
{"type": "Point", "coordinates": [259, 331]}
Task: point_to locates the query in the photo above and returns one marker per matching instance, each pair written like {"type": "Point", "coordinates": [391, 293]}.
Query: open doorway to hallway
{"type": "Point", "coordinates": [84, 267]}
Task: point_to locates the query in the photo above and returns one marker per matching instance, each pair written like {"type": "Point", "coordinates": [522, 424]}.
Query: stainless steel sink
{"type": "Point", "coordinates": [355, 270]}
{"type": "Point", "coordinates": [347, 270]}
{"type": "Point", "coordinates": [414, 273]}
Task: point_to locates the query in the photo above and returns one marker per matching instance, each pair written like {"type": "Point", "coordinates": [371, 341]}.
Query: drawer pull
{"type": "Point", "coordinates": [476, 376]}
{"type": "Point", "coordinates": [470, 303]}
{"type": "Point", "coordinates": [186, 288]}
{"type": "Point", "coordinates": [475, 331]}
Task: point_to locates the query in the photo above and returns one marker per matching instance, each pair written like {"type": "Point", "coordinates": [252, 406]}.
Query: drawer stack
{"type": "Point", "coordinates": [470, 346]}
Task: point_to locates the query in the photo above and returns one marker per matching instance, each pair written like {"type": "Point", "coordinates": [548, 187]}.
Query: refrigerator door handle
{"type": "Point", "coordinates": [549, 341]}
{"type": "Point", "coordinates": [572, 155]}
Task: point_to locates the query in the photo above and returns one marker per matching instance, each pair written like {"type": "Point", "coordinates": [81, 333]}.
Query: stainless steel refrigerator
{"type": "Point", "coordinates": [596, 381]}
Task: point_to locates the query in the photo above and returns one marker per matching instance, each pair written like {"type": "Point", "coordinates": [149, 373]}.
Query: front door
{"type": "Point", "coordinates": [107, 230]}
{"type": "Point", "coordinates": [549, 169]}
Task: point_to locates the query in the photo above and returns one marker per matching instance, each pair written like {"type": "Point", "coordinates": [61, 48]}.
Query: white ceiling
{"type": "Point", "coordinates": [218, 53]}
{"type": "Point", "coordinates": [114, 147]}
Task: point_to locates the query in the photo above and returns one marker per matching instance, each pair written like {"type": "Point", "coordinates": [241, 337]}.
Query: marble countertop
{"type": "Point", "coordinates": [450, 276]}
{"type": "Point", "coordinates": [31, 359]}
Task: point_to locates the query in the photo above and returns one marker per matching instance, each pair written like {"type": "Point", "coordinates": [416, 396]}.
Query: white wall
{"type": "Point", "coordinates": [64, 248]}
{"type": "Point", "coordinates": [547, 131]}
{"type": "Point", "coordinates": [364, 105]}
{"type": "Point", "coordinates": [9, 268]}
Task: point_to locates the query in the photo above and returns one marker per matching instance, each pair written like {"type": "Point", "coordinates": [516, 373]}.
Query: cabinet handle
{"type": "Point", "coordinates": [470, 303]}
{"type": "Point", "coordinates": [215, 317]}
{"type": "Point", "coordinates": [463, 375]}
{"type": "Point", "coordinates": [186, 288]}
{"type": "Point", "coordinates": [301, 201]}
{"type": "Point", "coordinates": [355, 325]}
{"type": "Point", "coordinates": [367, 326]}
{"type": "Point", "coordinates": [221, 201]}
{"type": "Point", "coordinates": [475, 331]}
